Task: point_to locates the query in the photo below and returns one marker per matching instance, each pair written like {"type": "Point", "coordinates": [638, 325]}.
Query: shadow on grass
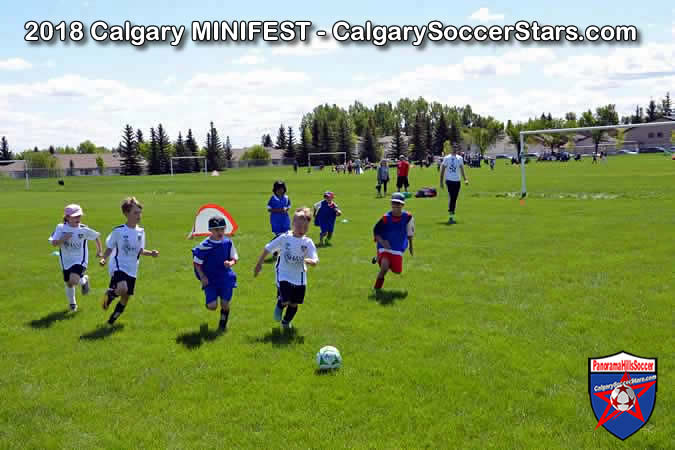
{"type": "Point", "coordinates": [387, 297]}
{"type": "Point", "coordinates": [49, 320]}
{"type": "Point", "coordinates": [278, 337]}
{"type": "Point", "coordinates": [102, 332]}
{"type": "Point", "coordinates": [195, 339]}
{"type": "Point", "coordinates": [323, 372]}
{"type": "Point", "coordinates": [447, 223]}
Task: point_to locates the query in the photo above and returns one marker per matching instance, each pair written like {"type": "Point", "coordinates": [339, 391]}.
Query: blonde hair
{"type": "Point", "coordinates": [303, 212]}
{"type": "Point", "coordinates": [129, 203]}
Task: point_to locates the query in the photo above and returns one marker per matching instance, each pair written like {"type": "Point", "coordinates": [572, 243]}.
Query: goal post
{"type": "Point", "coordinates": [183, 158]}
{"type": "Point", "coordinates": [524, 133]}
{"type": "Point", "coordinates": [309, 156]}
{"type": "Point", "coordinates": [26, 169]}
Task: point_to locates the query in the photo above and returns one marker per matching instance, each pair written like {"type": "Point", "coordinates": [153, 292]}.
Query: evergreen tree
{"type": "Point", "coordinates": [442, 135]}
{"type": "Point", "coordinates": [228, 152]}
{"type": "Point", "coordinates": [666, 105]}
{"type": "Point", "coordinates": [397, 144]}
{"type": "Point", "coordinates": [192, 150]}
{"type": "Point", "coordinates": [316, 136]}
{"type": "Point", "coordinates": [327, 139]}
{"type": "Point", "coordinates": [139, 137]}
{"type": "Point", "coordinates": [155, 162]}
{"type": "Point", "coordinates": [454, 136]}
{"type": "Point", "coordinates": [429, 135]}
{"type": "Point", "coordinates": [282, 143]}
{"type": "Point", "coordinates": [214, 149]}
{"type": "Point", "coordinates": [419, 138]}
{"type": "Point", "coordinates": [289, 152]}
{"type": "Point", "coordinates": [345, 140]}
{"type": "Point", "coordinates": [5, 154]}
{"type": "Point", "coordinates": [639, 114]}
{"type": "Point", "coordinates": [369, 149]}
{"type": "Point", "coordinates": [163, 149]}
{"type": "Point", "coordinates": [652, 114]}
{"type": "Point", "coordinates": [267, 141]}
{"type": "Point", "coordinates": [184, 165]}
{"type": "Point", "coordinates": [129, 164]}
{"type": "Point", "coordinates": [305, 145]}
{"type": "Point", "coordinates": [52, 150]}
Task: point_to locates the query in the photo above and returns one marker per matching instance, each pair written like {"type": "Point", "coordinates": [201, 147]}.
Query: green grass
{"type": "Point", "coordinates": [482, 341]}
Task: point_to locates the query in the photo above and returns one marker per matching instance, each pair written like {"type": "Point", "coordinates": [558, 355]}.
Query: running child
{"type": "Point", "coordinates": [126, 244]}
{"type": "Point", "coordinates": [393, 234]}
{"type": "Point", "coordinates": [297, 251]}
{"type": "Point", "coordinates": [325, 213]}
{"type": "Point", "coordinates": [213, 260]}
{"type": "Point", "coordinates": [71, 238]}
{"type": "Point", "coordinates": [278, 206]}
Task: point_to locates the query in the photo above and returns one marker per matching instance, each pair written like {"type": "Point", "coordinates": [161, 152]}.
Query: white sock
{"type": "Point", "coordinates": [70, 294]}
{"type": "Point", "coordinates": [84, 280]}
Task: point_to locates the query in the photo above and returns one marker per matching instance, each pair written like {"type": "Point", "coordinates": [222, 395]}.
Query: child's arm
{"type": "Point", "coordinates": [153, 253]}
{"type": "Point", "coordinates": [202, 276]}
{"type": "Point", "coordinates": [313, 258]}
{"type": "Point", "coordinates": [99, 247]}
{"type": "Point", "coordinates": [410, 241]}
{"type": "Point", "coordinates": [258, 266]}
{"type": "Point", "coordinates": [64, 237]}
{"type": "Point", "coordinates": [106, 255]}
{"type": "Point", "coordinates": [461, 169]}
{"type": "Point", "coordinates": [383, 242]}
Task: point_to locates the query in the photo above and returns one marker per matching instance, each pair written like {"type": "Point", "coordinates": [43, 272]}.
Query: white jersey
{"type": "Point", "coordinates": [74, 250]}
{"type": "Point", "coordinates": [126, 244]}
{"type": "Point", "coordinates": [292, 250]}
{"type": "Point", "coordinates": [452, 164]}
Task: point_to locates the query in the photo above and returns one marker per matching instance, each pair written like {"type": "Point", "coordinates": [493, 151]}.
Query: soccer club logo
{"type": "Point", "coordinates": [622, 388]}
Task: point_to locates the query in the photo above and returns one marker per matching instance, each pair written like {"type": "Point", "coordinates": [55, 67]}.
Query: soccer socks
{"type": "Point", "coordinates": [84, 280]}
{"type": "Point", "coordinates": [70, 295]}
{"type": "Point", "coordinates": [119, 309]}
{"type": "Point", "coordinates": [290, 313]}
{"type": "Point", "coordinates": [224, 315]}
{"type": "Point", "coordinates": [378, 283]}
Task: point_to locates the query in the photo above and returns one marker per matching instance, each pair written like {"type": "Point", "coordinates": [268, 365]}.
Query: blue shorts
{"type": "Point", "coordinates": [213, 292]}
{"type": "Point", "coordinates": [327, 227]}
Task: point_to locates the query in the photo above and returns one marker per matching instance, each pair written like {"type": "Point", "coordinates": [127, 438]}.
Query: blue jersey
{"type": "Point", "coordinates": [326, 213]}
{"type": "Point", "coordinates": [396, 230]}
{"type": "Point", "coordinates": [211, 255]}
{"type": "Point", "coordinates": [280, 221]}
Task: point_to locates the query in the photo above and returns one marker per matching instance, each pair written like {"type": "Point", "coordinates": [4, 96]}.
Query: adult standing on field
{"type": "Point", "coordinates": [402, 173]}
{"type": "Point", "coordinates": [451, 167]}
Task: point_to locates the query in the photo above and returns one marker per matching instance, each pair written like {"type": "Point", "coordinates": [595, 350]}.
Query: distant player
{"type": "Point", "coordinates": [297, 251]}
{"type": "Point", "coordinates": [126, 244]}
{"type": "Point", "coordinates": [213, 260]}
{"type": "Point", "coordinates": [278, 206]}
{"type": "Point", "coordinates": [402, 170]}
{"type": "Point", "coordinates": [382, 177]}
{"type": "Point", "coordinates": [393, 233]}
{"type": "Point", "coordinates": [71, 238]}
{"type": "Point", "coordinates": [452, 166]}
{"type": "Point", "coordinates": [325, 214]}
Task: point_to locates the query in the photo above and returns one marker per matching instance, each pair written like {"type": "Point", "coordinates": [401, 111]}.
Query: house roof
{"type": "Point", "coordinates": [87, 161]}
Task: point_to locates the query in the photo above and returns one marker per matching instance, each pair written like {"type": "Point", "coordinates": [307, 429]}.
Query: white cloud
{"type": "Point", "coordinates": [316, 46]}
{"type": "Point", "coordinates": [252, 58]}
{"type": "Point", "coordinates": [236, 81]}
{"type": "Point", "coordinates": [169, 80]}
{"type": "Point", "coordinates": [15, 64]}
{"type": "Point", "coordinates": [483, 15]}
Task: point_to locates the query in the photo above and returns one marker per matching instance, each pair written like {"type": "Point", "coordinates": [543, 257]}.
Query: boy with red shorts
{"type": "Point", "coordinates": [393, 232]}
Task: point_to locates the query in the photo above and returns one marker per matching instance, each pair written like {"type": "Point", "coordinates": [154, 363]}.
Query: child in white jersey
{"type": "Point", "coordinates": [126, 244]}
{"type": "Point", "coordinates": [71, 237]}
{"type": "Point", "coordinates": [295, 251]}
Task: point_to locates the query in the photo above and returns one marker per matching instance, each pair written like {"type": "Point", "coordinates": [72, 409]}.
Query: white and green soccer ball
{"type": "Point", "coordinates": [328, 358]}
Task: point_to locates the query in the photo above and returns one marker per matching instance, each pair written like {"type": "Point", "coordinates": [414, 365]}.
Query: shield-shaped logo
{"type": "Point", "coordinates": [622, 388]}
{"type": "Point", "coordinates": [80, 235]}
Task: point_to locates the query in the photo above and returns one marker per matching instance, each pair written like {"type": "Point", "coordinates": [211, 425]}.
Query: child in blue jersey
{"type": "Point", "coordinates": [325, 214]}
{"type": "Point", "coordinates": [393, 234]}
{"type": "Point", "coordinates": [278, 207]}
{"type": "Point", "coordinates": [213, 260]}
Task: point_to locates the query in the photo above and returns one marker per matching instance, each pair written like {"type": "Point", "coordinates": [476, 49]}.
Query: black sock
{"type": "Point", "coordinates": [224, 315]}
{"type": "Point", "coordinates": [290, 313]}
{"type": "Point", "coordinates": [119, 309]}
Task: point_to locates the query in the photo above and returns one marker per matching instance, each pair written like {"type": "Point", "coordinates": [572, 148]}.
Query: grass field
{"type": "Point", "coordinates": [482, 342]}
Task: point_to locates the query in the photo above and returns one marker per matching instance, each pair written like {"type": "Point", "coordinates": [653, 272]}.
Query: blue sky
{"type": "Point", "coordinates": [58, 94]}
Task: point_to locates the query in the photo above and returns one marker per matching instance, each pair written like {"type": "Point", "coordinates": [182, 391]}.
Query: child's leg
{"type": "Point", "coordinates": [122, 290]}
{"type": "Point", "coordinates": [71, 283]}
{"type": "Point", "coordinates": [329, 236]}
{"type": "Point", "coordinates": [384, 268]}
{"type": "Point", "coordinates": [385, 186]}
{"type": "Point", "coordinates": [291, 310]}
{"type": "Point", "coordinates": [224, 313]}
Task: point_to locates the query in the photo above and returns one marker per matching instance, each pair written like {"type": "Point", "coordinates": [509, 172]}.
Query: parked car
{"type": "Point", "coordinates": [626, 152]}
{"type": "Point", "coordinates": [652, 150]}
{"type": "Point", "coordinates": [502, 156]}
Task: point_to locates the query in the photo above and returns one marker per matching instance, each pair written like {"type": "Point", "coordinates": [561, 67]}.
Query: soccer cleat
{"type": "Point", "coordinates": [374, 260]}
{"type": "Point", "coordinates": [277, 313]}
{"type": "Point", "coordinates": [222, 326]}
{"type": "Point", "coordinates": [85, 286]}
{"type": "Point", "coordinates": [108, 297]}
{"type": "Point", "coordinates": [286, 326]}
{"type": "Point", "coordinates": [73, 307]}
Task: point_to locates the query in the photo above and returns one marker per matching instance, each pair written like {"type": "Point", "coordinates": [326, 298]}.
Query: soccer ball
{"type": "Point", "coordinates": [623, 397]}
{"type": "Point", "coordinates": [328, 358]}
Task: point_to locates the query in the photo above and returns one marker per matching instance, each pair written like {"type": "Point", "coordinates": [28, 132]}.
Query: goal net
{"type": "Point", "coordinates": [611, 138]}
{"type": "Point", "coordinates": [188, 164]}
{"type": "Point", "coordinates": [317, 160]}
{"type": "Point", "coordinates": [16, 168]}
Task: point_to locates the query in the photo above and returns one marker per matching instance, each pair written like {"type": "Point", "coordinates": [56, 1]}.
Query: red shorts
{"type": "Point", "coordinates": [395, 261]}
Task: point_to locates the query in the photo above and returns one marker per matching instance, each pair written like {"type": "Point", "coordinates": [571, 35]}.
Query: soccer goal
{"type": "Point", "coordinates": [185, 164]}
{"type": "Point", "coordinates": [326, 158]}
{"type": "Point", "coordinates": [11, 168]}
{"type": "Point", "coordinates": [579, 130]}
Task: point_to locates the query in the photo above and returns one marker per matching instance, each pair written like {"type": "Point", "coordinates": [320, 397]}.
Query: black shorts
{"type": "Point", "coordinates": [402, 181]}
{"type": "Point", "coordinates": [77, 269]}
{"type": "Point", "coordinates": [118, 276]}
{"type": "Point", "coordinates": [291, 293]}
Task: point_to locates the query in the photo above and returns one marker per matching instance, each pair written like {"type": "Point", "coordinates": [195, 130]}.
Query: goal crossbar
{"type": "Point", "coordinates": [523, 192]}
